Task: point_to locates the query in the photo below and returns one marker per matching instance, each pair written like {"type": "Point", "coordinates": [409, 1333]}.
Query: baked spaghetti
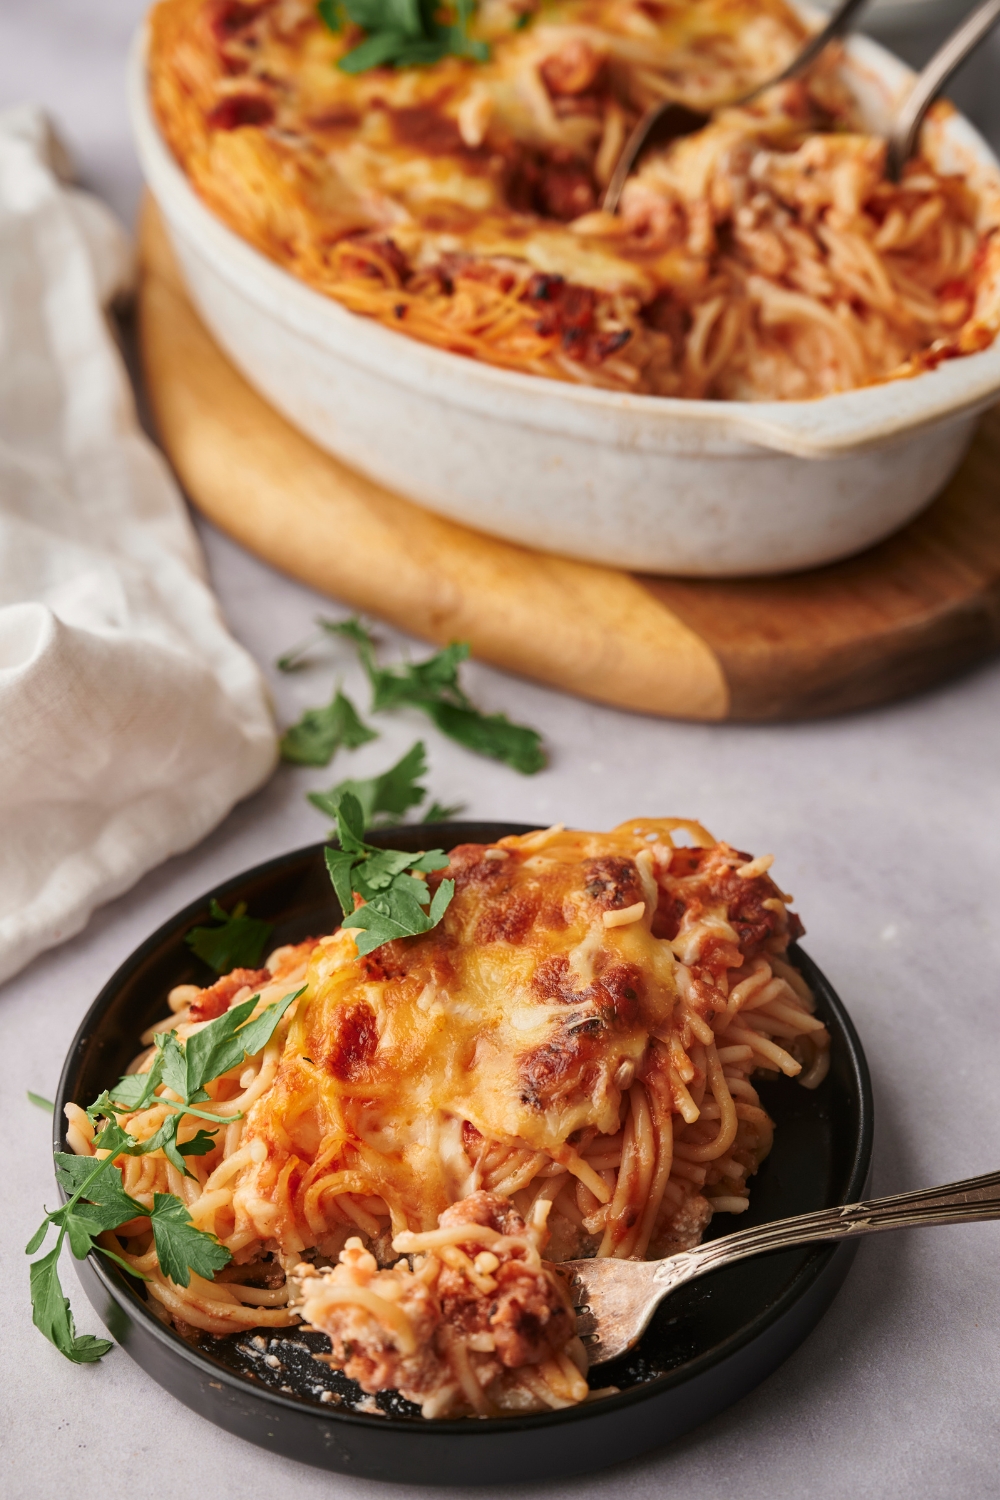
{"type": "Point", "coordinates": [562, 1067]}
{"type": "Point", "coordinates": [766, 257]}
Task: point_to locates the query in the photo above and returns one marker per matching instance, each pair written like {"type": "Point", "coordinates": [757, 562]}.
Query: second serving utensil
{"type": "Point", "coordinates": [615, 1299]}
{"type": "Point", "coordinates": [931, 80]}
{"type": "Point", "coordinates": [670, 120]}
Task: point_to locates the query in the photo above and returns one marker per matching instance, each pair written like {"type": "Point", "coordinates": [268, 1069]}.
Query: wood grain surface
{"type": "Point", "coordinates": [909, 612]}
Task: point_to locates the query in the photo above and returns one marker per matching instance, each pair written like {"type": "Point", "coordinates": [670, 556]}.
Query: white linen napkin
{"type": "Point", "coordinates": [130, 721]}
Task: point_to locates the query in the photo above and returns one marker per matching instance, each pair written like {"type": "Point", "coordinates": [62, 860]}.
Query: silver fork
{"type": "Point", "coordinates": [615, 1299]}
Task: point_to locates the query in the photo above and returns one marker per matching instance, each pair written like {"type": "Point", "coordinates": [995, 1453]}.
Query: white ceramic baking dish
{"type": "Point", "coordinates": [704, 488]}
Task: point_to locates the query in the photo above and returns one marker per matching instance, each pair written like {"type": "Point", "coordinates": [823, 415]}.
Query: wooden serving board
{"type": "Point", "coordinates": [915, 609]}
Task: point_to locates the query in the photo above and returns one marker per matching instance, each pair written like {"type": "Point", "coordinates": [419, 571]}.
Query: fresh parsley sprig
{"type": "Point", "coordinates": [403, 33]}
{"type": "Point", "coordinates": [237, 944]}
{"type": "Point", "coordinates": [393, 897]}
{"type": "Point", "coordinates": [185, 1068]}
{"type": "Point", "coordinates": [433, 687]}
{"type": "Point", "coordinates": [98, 1201]}
{"type": "Point", "coordinates": [388, 797]}
{"type": "Point", "coordinates": [321, 732]}
{"type": "Point", "coordinates": [442, 812]}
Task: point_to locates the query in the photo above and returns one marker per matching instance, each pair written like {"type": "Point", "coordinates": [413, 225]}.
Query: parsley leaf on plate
{"type": "Point", "coordinates": [165, 1140]}
{"type": "Point", "coordinates": [97, 1199]}
{"type": "Point", "coordinates": [108, 1206]}
{"type": "Point", "coordinates": [489, 734]}
{"type": "Point", "coordinates": [330, 14]}
{"type": "Point", "coordinates": [200, 1144]}
{"type": "Point", "coordinates": [433, 686]}
{"type": "Point", "coordinates": [398, 913]}
{"type": "Point", "coordinates": [321, 732]}
{"type": "Point", "coordinates": [237, 944]}
{"type": "Point", "coordinates": [107, 1199]}
{"type": "Point", "coordinates": [185, 1068]}
{"type": "Point", "coordinates": [392, 896]}
{"type": "Point", "coordinates": [388, 795]}
{"type": "Point", "coordinates": [132, 1092]}
{"type": "Point", "coordinates": [225, 1042]}
{"type": "Point", "coordinates": [180, 1247]}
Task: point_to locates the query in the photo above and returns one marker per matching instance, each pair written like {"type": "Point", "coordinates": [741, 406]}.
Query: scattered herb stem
{"type": "Point", "coordinates": [433, 687]}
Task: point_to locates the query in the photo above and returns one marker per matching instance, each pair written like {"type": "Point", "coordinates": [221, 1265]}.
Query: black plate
{"type": "Point", "coordinates": [710, 1343]}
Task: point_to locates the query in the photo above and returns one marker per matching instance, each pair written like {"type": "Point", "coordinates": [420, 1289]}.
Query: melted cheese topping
{"type": "Point", "coordinates": [515, 1015]}
{"type": "Point", "coordinates": [522, 1019]}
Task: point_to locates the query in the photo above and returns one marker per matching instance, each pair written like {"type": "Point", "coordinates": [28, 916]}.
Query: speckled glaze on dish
{"type": "Point", "coordinates": [657, 484]}
{"type": "Point", "coordinates": [708, 1344]}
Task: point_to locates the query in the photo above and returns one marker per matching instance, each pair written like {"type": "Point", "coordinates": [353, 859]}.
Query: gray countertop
{"type": "Point", "coordinates": [885, 827]}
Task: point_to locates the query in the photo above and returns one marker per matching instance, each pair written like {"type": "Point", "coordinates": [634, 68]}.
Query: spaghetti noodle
{"type": "Point", "coordinates": [563, 1064]}
{"type": "Point", "coordinates": [765, 257]}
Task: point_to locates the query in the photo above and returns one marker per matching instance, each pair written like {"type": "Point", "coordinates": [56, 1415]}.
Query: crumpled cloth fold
{"type": "Point", "coordinates": [130, 720]}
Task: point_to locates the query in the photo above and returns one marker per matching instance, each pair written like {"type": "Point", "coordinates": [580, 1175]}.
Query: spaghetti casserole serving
{"type": "Point", "coordinates": [561, 1067]}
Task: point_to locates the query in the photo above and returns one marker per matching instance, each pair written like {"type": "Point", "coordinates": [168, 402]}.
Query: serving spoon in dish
{"type": "Point", "coordinates": [670, 120]}
{"type": "Point", "coordinates": [615, 1299]}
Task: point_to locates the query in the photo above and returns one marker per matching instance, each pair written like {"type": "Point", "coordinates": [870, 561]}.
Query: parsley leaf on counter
{"type": "Point", "coordinates": [237, 944]}
{"type": "Point", "coordinates": [433, 687]}
{"type": "Point", "coordinates": [392, 900]}
{"type": "Point", "coordinates": [420, 682]}
{"type": "Point", "coordinates": [387, 796]}
{"type": "Point", "coordinates": [321, 732]}
{"type": "Point", "coordinates": [441, 812]}
{"type": "Point", "coordinates": [405, 33]}
{"type": "Point", "coordinates": [41, 1102]}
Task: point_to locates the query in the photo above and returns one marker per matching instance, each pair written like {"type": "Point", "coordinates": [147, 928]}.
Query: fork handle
{"type": "Point", "coordinates": [952, 1203]}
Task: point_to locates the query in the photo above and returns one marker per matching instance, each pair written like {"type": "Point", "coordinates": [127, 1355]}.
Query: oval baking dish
{"type": "Point", "coordinates": [659, 484]}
